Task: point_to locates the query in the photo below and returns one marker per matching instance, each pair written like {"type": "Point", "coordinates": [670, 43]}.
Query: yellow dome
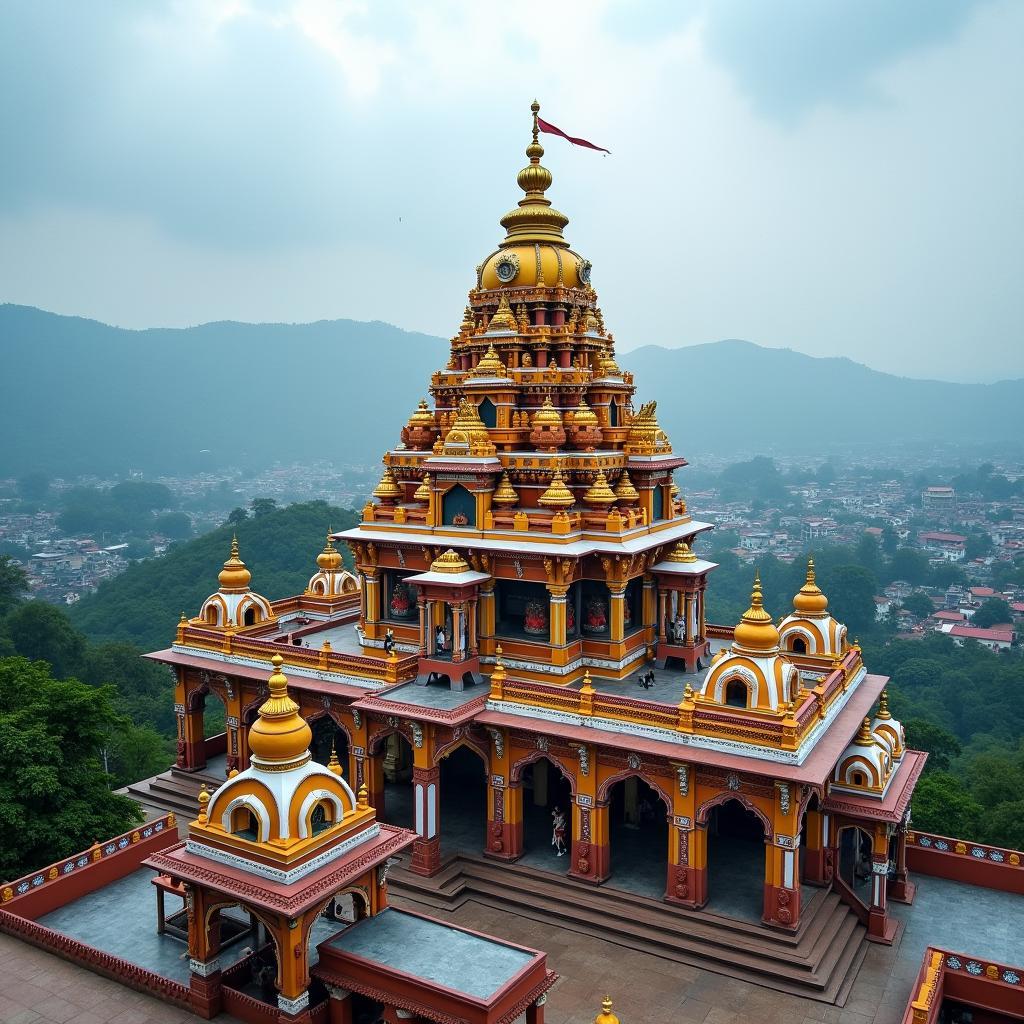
{"type": "Point", "coordinates": [625, 491]}
{"type": "Point", "coordinates": [809, 599]}
{"type": "Point", "coordinates": [547, 415]}
{"type": "Point", "coordinates": [557, 495]}
{"type": "Point", "coordinates": [599, 492]}
{"type": "Point", "coordinates": [584, 416]}
{"type": "Point", "coordinates": [422, 417]}
{"type": "Point", "coordinates": [756, 631]}
{"type": "Point", "coordinates": [234, 575]}
{"type": "Point", "coordinates": [606, 1016]}
{"type": "Point", "coordinates": [450, 562]}
{"type": "Point", "coordinates": [330, 558]}
{"type": "Point", "coordinates": [505, 493]}
{"type": "Point", "coordinates": [681, 553]}
{"type": "Point", "coordinates": [528, 265]}
{"type": "Point", "coordinates": [422, 493]}
{"type": "Point", "coordinates": [280, 736]}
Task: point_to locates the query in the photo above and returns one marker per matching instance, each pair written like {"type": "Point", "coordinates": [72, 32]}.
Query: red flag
{"type": "Point", "coordinates": [550, 129]}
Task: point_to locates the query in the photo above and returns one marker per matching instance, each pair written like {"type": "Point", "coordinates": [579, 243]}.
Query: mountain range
{"type": "Point", "coordinates": [84, 397]}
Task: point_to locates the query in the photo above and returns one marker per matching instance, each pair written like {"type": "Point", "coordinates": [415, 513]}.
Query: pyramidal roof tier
{"type": "Point", "coordinates": [532, 394]}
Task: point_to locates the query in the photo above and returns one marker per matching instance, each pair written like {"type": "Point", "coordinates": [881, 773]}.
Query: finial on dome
{"type": "Point", "coordinates": [234, 575]}
{"type": "Point", "coordinates": [883, 705]}
{"type": "Point", "coordinates": [334, 764]}
{"type": "Point", "coordinates": [363, 798]}
{"type": "Point", "coordinates": [280, 735]}
{"type": "Point", "coordinates": [756, 631]}
{"type": "Point", "coordinates": [864, 737]}
{"type": "Point", "coordinates": [330, 558]}
{"type": "Point", "coordinates": [204, 799]}
{"type": "Point", "coordinates": [606, 1016]}
{"type": "Point", "coordinates": [558, 494]}
{"type": "Point", "coordinates": [809, 600]}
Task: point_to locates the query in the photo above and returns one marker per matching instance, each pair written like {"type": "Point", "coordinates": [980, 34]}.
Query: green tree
{"type": "Point", "coordinates": [942, 746]}
{"type": "Point", "coordinates": [54, 795]}
{"type": "Point", "coordinates": [34, 487]}
{"type": "Point", "coordinates": [263, 506]}
{"type": "Point", "coordinates": [890, 541]}
{"type": "Point", "coordinates": [978, 545]}
{"type": "Point", "coordinates": [42, 632]}
{"type": "Point", "coordinates": [919, 604]}
{"type": "Point", "coordinates": [1004, 825]}
{"type": "Point", "coordinates": [13, 583]}
{"type": "Point", "coordinates": [942, 805]}
{"type": "Point", "coordinates": [910, 565]}
{"type": "Point", "coordinates": [994, 610]}
{"type": "Point", "coordinates": [175, 525]}
{"type": "Point", "coordinates": [237, 515]}
{"type": "Point", "coordinates": [851, 591]}
{"type": "Point", "coordinates": [947, 574]}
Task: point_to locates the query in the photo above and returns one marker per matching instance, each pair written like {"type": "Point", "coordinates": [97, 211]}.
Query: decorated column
{"type": "Point", "coordinates": [426, 791]}
{"type": "Point", "coordinates": [486, 617]}
{"type": "Point", "coordinates": [203, 950]}
{"type": "Point", "coordinates": [504, 805]}
{"type": "Point", "coordinates": [817, 852]}
{"type": "Point", "coordinates": [191, 748]}
{"type": "Point", "coordinates": [781, 863]}
{"type": "Point", "coordinates": [556, 617]}
{"type": "Point", "coordinates": [617, 616]}
{"type": "Point", "coordinates": [458, 613]}
{"type": "Point", "coordinates": [901, 888]}
{"type": "Point", "coordinates": [339, 1005]}
{"type": "Point", "coordinates": [681, 883]}
{"type": "Point", "coordinates": [880, 927]}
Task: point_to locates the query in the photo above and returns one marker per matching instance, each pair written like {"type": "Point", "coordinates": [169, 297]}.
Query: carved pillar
{"type": "Point", "coordinates": [880, 927]}
{"type": "Point", "coordinates": [487, 613]}
{"type": "Point", "coordinates": [617, 612]}
{"type": "Point", "coordinates": [373, 767]}
{"type": "Point", "coordinates": [901, 888]}
{"type": "Point", "coordinates": [458, 612]}
{"type": "Point", "coordinates": [504, 819]}
{"type": "Point", "coordinates": [203, 947]}
{"type": "Point", "coordinates": [815, 841]}
{"type": "Point", "coordinates": [474, 643]}
{"type": "Point", "coordinates": [426, 641]}
{"type": "Point", "coordinates": [339, 1005]}
{"type": "Point", "coordinates": [649, 609]}
{"type": "Point", "coordinates": [191, 748]}
{"type": "Point", "coordinates": [590, 855]}
{"type": "Point", "coordinates": [535, 1011]}
{"type": "Point", "coordinates": [556, 614]}
{"type": "Point", "coordinates": [662, 614]}
{"type": "Point", "coordinates": [371, 592]}
{"type": "Point", "coordinates": [781, 882]}
{"type": "Point", "coordinates": [426, 851]}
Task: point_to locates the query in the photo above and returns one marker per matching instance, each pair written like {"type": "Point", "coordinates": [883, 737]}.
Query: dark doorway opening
{"type": "Point", "coordinates": [545, 788]}
{"type": "Point", "coordinates": [638, 834]}
{"type": "Point", "coordinates": [736, 858]}
{"type": "Point", "coordinates": [463, 801]}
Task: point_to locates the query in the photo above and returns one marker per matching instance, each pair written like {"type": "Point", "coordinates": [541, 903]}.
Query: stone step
{"type": "Point", "coordinates": [819, 961]}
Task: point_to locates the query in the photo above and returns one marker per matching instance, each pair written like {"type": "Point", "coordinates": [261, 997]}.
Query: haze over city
{"type": "Point", "coordinates": [841, 179]}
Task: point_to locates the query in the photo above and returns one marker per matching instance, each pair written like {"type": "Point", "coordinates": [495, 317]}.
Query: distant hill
{"type": "Point", "coordinates": [142, 606]}
{"type": "Point", "coordinates": [86, 397]}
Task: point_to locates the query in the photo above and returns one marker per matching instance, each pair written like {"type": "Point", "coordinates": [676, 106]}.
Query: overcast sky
{"type": "Point", "coordinates": [841, 178]}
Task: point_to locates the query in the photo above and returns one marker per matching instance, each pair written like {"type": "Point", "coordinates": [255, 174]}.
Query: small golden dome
{"type": "Point", "coordinates": [422, 417]}
{"type": "Point", "coordinates": [756, 631]}
{"type": "Point", "coordinates": [387, 489]}
{"type": "Point", "coordinates": [599, 492]}
{"type": "Point", "coordinates": [883, 706]}
{"type": "Point", "coordinates": [864, 737]}
{"type": "Point", "coordinates": [504, 493]}
{"type": "Point", "coordinates": [334, 764]}
{"type": "Point", "coordinates": [234, 575]}
{"type": "Point", "coordinates": [584, 416]}
{"type": "Point", "coordinates": [468, 325]}
{"type": "Point", "coordinates": [490, 365]}
{"type": "Point", "coordinates": [547, 415]}
{"type": "Point", "coordinates": [809, 600]}
{"type": "Point", "coordinates": [450, 562]}
{"type": "Point", "coordinates": [422, 493]}
{"type": "Point", "coordinates": [280, 735]}
{"type": "Point", "coordinates": [558, 494]}
{"type": "Point", "coordinates": [682, 553]}
{"type": "Point", "coordinates": [468, 435]}
{"type": "Point", "coordinates": [330, 558]}
{"type": "Point", "coordinates": [625, 491]}
{"type": "Point", "coordinates": [645, 437]}
{"type": "Point", "coordinates": [503, 320]}
{"type": "Point", "coordinates": [606, 1016]}
{"type": "Point", "coordinates": [607, 367]}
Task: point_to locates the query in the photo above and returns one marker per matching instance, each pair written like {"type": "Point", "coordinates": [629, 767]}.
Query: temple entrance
{"type": "Point", "coordinates": [463, 801]}
{"type": "Point", "coordinates": [391, 771]}
{"type": "Point", "coordinates": [328, 738]}
{"type": "Point", "coordinates": [212, 751]}
{"type": "Point", "coordinates": [545, 788]}
{"type": "Point", "coordinates": [735, 852]}
{"type": "Point", "coordinates": [638, 837]}
{"type": "Point", "coordinates": [855, 862]}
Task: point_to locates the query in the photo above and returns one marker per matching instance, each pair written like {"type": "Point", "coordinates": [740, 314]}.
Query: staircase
{"type": "Point", "coordinates": [819, 961]}
{"type": "Point", "coordinates": [174, 790]}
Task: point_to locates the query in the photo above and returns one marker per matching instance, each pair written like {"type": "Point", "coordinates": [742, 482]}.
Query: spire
{"type": "Point", "coordinates": [600, 493]}
{"type": "Point", "coordinates": [535, 220]}
{"type": "Point", "coordinates": [279, 739]}
{"type": "Point", "coordinates": [809, 600]}
{"type": "Point", "coordinates": [756, 630]}
{"type": "Point", "coordinates": [505, 493]}
{"type": "Point", "coordinates": [422, 493]}
{"type": "Point", "coordinates": [330, 558]}
{"type": "Point", "coordinates": [557, 495]}
{"type": "Point", "coordinates": [625, 491]}
{"type": "Point", "coordinates": [234, 576]}
{"type": "Point", "coordinates": [606, 1016]}
{"type": "Point", "coordinates": [503, 320]}
{"type": "Point", "coordinates": [864, 738]}
{"type": "Point", "coordinates": [387, 489]}
{"type": "Point", "coordinates": [883, 706]}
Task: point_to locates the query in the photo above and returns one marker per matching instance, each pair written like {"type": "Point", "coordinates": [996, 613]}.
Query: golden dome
{"type": "Point", "coordinates": [756, 631]}
{"type": "Point", "coordinates": [387, 489]}
{"type": "Point", "coordinates": [468, 435]}
{"type": "Point", "coordinates": [330, 558]}
{"type": "Point", "coordinates": [547, 415]}
{"type": "Point", "coordinates": [809, 600]}
{"type": "Point", "coordinates": [584, 416]}
{"type": "Point", "coordinates": [490, 365]}
{"type": "Point", "coordinates": [234, 575]}
{"type": "Point", "coordinates": [625, 491]}
{"type": "Point", "coordinates": [504, 493]}
{"type": "Point", "coordinates": [557, 495]}
{"type": "Point", "coordinates": [681, 553]}
{"type": "Point", "coordinates": [645, 436]}
{"type": "Point", "coordinates": [599, 492]}
{"type": "Point", "coordinates": [606, 1016]}
{"type": "Point", "coordinates": [607, 367]}
{"type": "Point", "coordinates": [422, 417]}
{"type": "Point", "coordinates": [422, 493]}
{"type": "Point", "coordinates": [280, 736]}
{"type": "Point", "coordinates": [503, 320]}
{"type": "Point", "coordinates": [450, 562]}
{"type": "Point", "coordinates": [531, 265]}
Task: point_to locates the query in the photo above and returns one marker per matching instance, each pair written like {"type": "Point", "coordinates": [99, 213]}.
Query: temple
{"type": "Point", "coordinates": [523, 638]}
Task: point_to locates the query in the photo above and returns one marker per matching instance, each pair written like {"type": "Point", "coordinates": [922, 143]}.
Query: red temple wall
{"type": "Point", "coordinates": [978, 864]}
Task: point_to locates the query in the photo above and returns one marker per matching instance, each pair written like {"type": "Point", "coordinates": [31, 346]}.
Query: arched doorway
{"type": "Point", "coordinates": [458, 507]}
{"type": "Point", "coordinates": [735, 858]}
{"type": "Point", "coordinates": [488, 413]}
{"type": "Point", "coordinates": [463, 801]}
{"type": "Point", "coordinates": [545, 788]}
{"type": "Point", "coordinates": [329, 737]}
{"type": "Point", "coordinates": [212, 759]}
{"type": "Point", "coordinates": [638, 837]}
{"type": "Point", "coordinates": [390, 766]}
{"type": "Point", "coordinates": [855, 847]}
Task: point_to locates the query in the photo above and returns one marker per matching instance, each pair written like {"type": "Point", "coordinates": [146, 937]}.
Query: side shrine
{"type": "Point", "coordinates": [520, 662]}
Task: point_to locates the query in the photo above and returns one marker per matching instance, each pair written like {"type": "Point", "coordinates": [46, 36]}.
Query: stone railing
{"type": "Point", "coordinates": [79, 862]}
{"type": "Point", "coordinates": [979, 967]}
{"type": "Point", "coordinates": [382, 670]}
{"type": "Point", "coordinates": [928, 998]}
{"type": "Point", "coordinates": [946, 975]}
{"type": "Point", "coordinates": [960, 860]}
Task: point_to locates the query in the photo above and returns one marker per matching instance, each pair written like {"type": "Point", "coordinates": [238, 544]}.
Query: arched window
{"type": "Point", "coordinates": [799, 645]}
{"type": "Point", "coordinates": [858, 778]}
{"type": "Point", "coordinates": [488, 413]}
{"type": "Point", "coordinates": [211, 614]}
{"type": "Point", "coordinates": [245, 824]}
{"type": "Point", "coordinates": [249, 616]}
{"type": "Point", "coordinates": [322, 817]}
{"type": "Point", "coordinates": [736, 693]}
{"type": "Point", "coordinates": [613, 414]}
{"type": "Point", "coordinates": [458, 507]}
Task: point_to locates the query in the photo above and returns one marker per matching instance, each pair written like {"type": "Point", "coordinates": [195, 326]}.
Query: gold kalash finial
{"type": "Point", "coordinates": [535, 219]}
